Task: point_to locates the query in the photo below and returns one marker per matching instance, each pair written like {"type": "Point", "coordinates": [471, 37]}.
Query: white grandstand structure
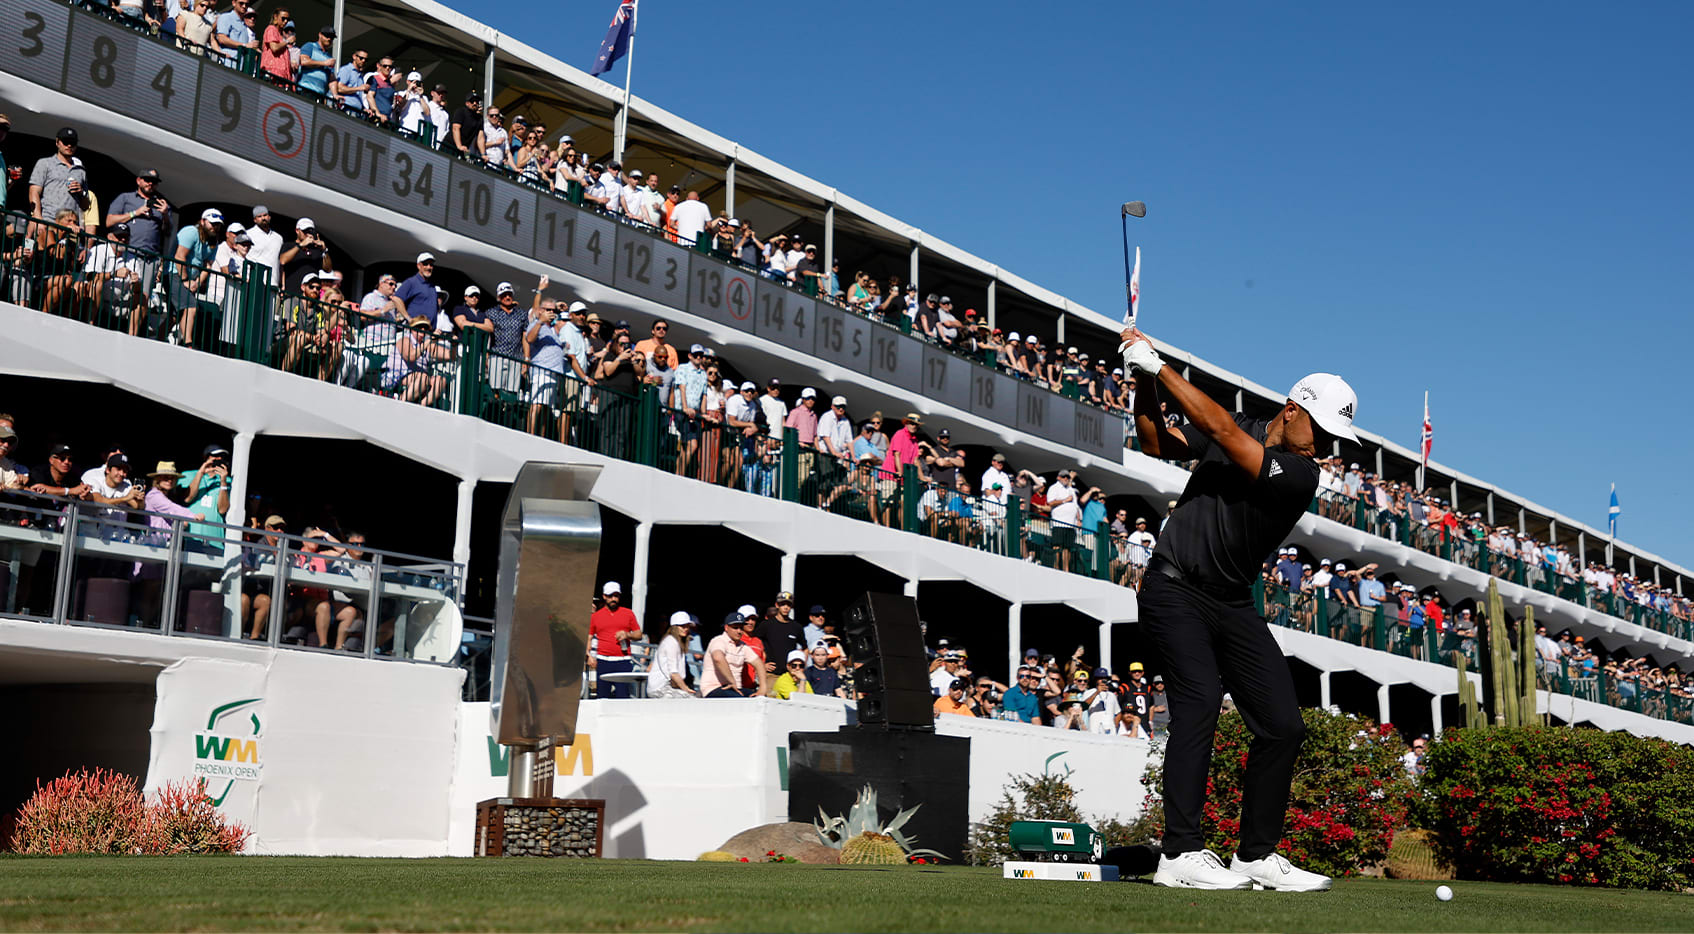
{"type": "Point", "coordinates": [381, 749]}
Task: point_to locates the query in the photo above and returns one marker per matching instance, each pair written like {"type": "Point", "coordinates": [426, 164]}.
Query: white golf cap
{"type": "Point", "coordinates": [838, 400]}
{"type": "Point", "coordinates": [1013, 336]}
{"type": "Point", "coordinates": [611, 587]}
{"type": "Point", "coordinates": [472, 290]}
{"type": "Point", "coordinates": [1329, 401]}
{"type": "Point", "coordinates": [796, 656]}
{"type": "Point", "coordinates": [747, 610]}
{"type": "Point", "coordinates": [680, 618]}
{"type": "Point", "coordinates": [212, 214]}
{"type": "Point", "coordinates": [235, 228]}
{"type": "Point", "coordinates": [747, 384]}
{"type": "Point", "coordinates": [426, 257]}
{"type": "Point", "coordinates": [576, 307]}
{"type": "Point", "coordinates": [808, 393]}
{"type": "Point", "coordinates": [305, 223]}
{"type": "Point", "coordinates": [504, 288]}
{"type": "Point", "coordinates": [414, 76]}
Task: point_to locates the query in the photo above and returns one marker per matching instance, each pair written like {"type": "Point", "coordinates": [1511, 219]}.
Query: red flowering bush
{"type": "Point", "coordinates": [1350, 793]}
{"type": "Point", "coordinates": [1580, 807]}
{"type": "Point", "coordinates": [103, 812]}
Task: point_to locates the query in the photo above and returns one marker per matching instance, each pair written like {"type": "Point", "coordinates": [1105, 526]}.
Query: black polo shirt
{"type": "Point", "coordinates": [1227, 523]}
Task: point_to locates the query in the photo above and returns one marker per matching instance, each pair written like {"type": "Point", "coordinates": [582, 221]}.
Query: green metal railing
{"type": "Point", "coordinates": [1381, 628]}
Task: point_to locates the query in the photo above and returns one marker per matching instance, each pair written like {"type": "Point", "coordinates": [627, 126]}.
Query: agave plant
{"type": "Point", "coordinates": [862, 819]}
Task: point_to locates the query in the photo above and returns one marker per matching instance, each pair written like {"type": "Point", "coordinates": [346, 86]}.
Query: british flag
{"type": "Point", "coordinates": [617, 38]}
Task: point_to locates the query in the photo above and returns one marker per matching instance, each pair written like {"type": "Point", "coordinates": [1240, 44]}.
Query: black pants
{"type": "Point", "coordinates": [1209, 646]}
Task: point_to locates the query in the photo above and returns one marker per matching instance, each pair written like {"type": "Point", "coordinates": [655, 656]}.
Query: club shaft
{"type": "Point", "coordinates": [1128, 293]}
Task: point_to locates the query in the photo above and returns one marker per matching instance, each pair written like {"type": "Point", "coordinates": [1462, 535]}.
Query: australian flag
{"type": "Point", "coordinates": [617, 39]}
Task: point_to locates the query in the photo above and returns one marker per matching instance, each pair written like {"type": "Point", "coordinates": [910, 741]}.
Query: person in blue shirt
{"type": "Point", "coordinates": [316, 60]}
{"type": "Point", "coordinates": [1022, 701]}
{"type": "Point", "coordinates": [355, 92]}
{"type": "Point", "coordinates": [196, 247]}
{"type": "Point", "coordinates": [418, 293]}
{"type": "Point", "coordinates": [1371, 594]}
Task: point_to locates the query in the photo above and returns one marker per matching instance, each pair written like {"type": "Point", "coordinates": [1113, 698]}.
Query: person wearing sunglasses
{"type": "Point", "coordinates": [793, 679]}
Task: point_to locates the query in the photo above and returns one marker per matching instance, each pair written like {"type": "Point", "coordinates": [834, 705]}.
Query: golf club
{"type": "Point", "coordinates": [1136, 209]}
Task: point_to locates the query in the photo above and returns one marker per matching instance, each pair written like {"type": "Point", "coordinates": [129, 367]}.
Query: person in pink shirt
{"type": "Point", "coordinates": [903, 448]}
{"type": "Point", "coordinates": [803, 418]}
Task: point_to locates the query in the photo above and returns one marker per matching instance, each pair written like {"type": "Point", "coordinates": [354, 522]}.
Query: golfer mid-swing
{"type": "Point", "coordinates": [1252, 481]}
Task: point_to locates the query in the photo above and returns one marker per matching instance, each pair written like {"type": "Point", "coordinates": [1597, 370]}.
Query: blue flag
{"type": "Point", "coordinates": [1613, 512]}
{"type": "Point", "coordinates": [616, 43]}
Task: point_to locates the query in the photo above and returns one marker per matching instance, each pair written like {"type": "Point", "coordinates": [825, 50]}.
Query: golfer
{"type": "Point", "coordinates": [1251, 482]}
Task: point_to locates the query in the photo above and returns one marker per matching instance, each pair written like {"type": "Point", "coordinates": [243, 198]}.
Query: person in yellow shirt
{"type": "Point", "coordinates": [793, 681]}
{"type": "Point", "coordinates": [955, 701]}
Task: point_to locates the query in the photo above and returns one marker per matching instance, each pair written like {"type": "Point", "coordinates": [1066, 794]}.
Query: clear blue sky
{"type": "Point", "coordinates": [1488, 201]}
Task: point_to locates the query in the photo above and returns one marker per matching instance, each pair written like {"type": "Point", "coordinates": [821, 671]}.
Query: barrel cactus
{"type": "Point", "coordinates": [718, 856]}
{"type": "Point", "coordinates": [862, 823]}
{"type": "Point", "coordinates": [872, 849]}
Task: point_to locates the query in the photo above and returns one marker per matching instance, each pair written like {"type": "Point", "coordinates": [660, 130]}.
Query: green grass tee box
{"type": "Point", "coordinates": [304, 893]}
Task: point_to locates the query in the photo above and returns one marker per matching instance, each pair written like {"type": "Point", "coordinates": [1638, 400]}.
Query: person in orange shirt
{"type": "Point", "coordinates": [667, 207]}
{"type": "Point", "coordinates": [956, 701]}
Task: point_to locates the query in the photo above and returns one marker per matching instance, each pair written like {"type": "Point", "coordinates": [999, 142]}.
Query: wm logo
{"type": "Point", "coordinates": [225, 748]}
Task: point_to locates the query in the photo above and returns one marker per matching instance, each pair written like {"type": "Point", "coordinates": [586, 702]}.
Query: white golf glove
{"type": "Point", "coordinates": [1141, 356]}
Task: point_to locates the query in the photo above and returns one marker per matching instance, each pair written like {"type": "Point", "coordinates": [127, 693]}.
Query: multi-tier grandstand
{"type": "Point", "coordinates": [331, 353]}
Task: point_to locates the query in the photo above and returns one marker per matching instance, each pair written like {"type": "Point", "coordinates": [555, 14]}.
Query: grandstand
{"type": "Point", "coordinates": [413, 434]}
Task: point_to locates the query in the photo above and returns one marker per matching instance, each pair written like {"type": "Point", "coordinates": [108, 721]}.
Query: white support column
{"type": "Point", "coordinates": [240, 458]}
{"type": "Point", "coordinates": [1379, 465]}
{"type": "Point", "coordinates": [638, 574]}
{"type": "Point", "coordinates": [910, 588]}
{"type": "Point", "coordinates": [1105, 645]}
{"type": "Point", "coordinates": [912, 271]}
{"type": "Point", "coordinates": [1523, 521]}
{"type": "Point", "coordinates": [1059, 331]}
{"type": "Point", "coordinates": [488, 79]}
{"type": "Point", "coordinates": [829, 241]}
{"type": "Point", "coordinates": [1382, 715]}
{"type": "Point", "coordinates": [340, 20]}
{"type": "Point", "coordinates": [1491, 509]}
{"type": "Point", "coordinates": [1435, 715]}
{"type": "Point", "coordinates": [1581, 547]}
{"type": "Point", "coordinates": [1323, 689]}
{"type": "Point", "coordinates": [1014, 637]}
{"type": "Point", "coordinates": [1240, 401]}
{"type": "Point", "coordinates": [462, 522]}
{"type": "Point", "coordinates": [729, 189]}
{"type": "Point", "coordinates": [1552, 531]}
{"type": "Point", "coordinates": [1455, 494]}
{"type": "Point", "coordinates": [993, 318]}
{"type": "Point", "coordinates": [785, 578]}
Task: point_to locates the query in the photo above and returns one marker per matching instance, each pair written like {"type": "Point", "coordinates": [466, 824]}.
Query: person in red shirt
{"type": "Point", "coordinates": [613, 626]}
{"type": "Point", "coordinates": [756, 667]}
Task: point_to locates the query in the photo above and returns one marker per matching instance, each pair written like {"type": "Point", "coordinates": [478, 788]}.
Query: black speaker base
{"type": "Point", "coordinates": [906, 768]}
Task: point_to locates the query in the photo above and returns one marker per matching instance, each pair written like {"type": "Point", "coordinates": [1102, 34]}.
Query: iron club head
{"type": "Point", "coordinates": [1135, 208]}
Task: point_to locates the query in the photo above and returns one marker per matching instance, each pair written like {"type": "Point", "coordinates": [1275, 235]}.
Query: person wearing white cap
{"type": "Point", "coordinates": [793, 679]}
{"type": "Point", "coordinates": [741, 418]}
{"type": "Point", "coordinates": [612, 627]}
{"type": "Point", "coordinates": [196, 251]}
{"type": "Point", "coordinates": [1252, 481]}
{"type": "Point", "coordinates": [835, 441]}
{"type": "Point", "coordinates": [668, 675]}
{"type": "Point", "coordinates": [418, 293]}
{"type": "Point", "coordinates": [308, 253]}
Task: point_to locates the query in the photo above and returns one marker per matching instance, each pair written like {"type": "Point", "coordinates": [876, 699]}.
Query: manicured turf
{"type": "Point", "coordinates": [274, 893]}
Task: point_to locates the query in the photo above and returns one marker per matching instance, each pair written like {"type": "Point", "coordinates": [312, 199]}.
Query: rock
{"type": "Point", "coordinates": [792, 838]}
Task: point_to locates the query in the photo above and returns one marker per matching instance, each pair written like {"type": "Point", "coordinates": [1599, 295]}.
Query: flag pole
{"type": "Point", "coordinates": [1423, 450]}
{"type": "Point", "coordinates": [628, 72]}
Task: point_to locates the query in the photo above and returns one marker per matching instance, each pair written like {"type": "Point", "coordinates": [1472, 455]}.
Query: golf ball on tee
{"type": "Point", "coordinates": [1444, 893]}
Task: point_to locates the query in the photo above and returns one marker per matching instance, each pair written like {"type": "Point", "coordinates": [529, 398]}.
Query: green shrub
{"type": "Point", "coordinates": [1562, 806]}
{"type": "Point", "coordinates": [1349, 796]}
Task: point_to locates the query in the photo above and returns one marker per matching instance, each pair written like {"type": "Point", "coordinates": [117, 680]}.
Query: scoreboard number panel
{"type": "Point", "coordinates": [254, 121]}
{"type": "Point", "coordinates": [785, 316]}
{"type": "Point", "coordinates": [32, 40]}
{"type": "Point", "coordinates": [650, 267]}
{"type": "Point", "coordinates": [574, 240]}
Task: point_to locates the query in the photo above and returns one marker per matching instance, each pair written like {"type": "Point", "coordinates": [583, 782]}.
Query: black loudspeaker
{"type": "Point", "coordinates": [827, 771]}
{"type": "Point", "coordinates": [881, 631]}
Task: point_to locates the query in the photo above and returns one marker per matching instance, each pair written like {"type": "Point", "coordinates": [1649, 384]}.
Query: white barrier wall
{"type": "Point", "coordinates": [680, 777]}
{"type": "Point", "coordinates": [318, 755]}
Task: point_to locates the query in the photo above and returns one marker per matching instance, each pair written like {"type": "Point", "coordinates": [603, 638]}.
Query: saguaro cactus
{"type": "Point", "coordinates": [1467, 696]}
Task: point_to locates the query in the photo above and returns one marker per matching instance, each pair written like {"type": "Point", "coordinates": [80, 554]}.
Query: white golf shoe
{"type": "Point", "coordinates": [1198, 869]}
{"type": "Point", "coordinates": [1278, 874]}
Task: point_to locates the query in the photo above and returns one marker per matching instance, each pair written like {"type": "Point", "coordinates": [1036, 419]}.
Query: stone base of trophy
{"type": "Point", "coordinates": [540, 827]}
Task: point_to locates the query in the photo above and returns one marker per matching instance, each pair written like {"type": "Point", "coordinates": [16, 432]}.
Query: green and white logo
{"type": "Point", "coordinates": [228, 749]}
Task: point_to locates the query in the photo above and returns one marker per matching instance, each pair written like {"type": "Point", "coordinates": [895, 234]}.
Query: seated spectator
{"type": "Point", "coordinates": [667, 675]}
{"type": "Point", "coordinates": [1071, 712]}
{"type": "Point", "coordinates": [943, 671]}
{"type": "Point", "coordinates": [793, 680]}
{"type": "Point", "coordinates": [1022, 701]}
{"type": "Point", "coordinates": [729, 669]}
{"type": "Point", "coordinates": [956, 699]}
{"type": "Point", "coordinates": [821, 673]}
{"type": "Point", "coordinates": [415, 368]}
{"type": "Point", "coordinates": [303, 325]}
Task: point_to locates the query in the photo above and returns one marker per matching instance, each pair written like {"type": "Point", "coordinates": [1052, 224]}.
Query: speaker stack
{"type": "Point", "coordinates": [891, 674]}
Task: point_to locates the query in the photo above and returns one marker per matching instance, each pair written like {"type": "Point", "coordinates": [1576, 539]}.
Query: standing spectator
{"type": "Point", "coordinates": [148, 215]}
{"type": "Point", "coordinates": [12, 475]}
{"type": "Point", "coordinates": [996, 473]}
{"type": "Point", "coordinates": [729, 662]}
{"type": "Point", "coordinates": [494, 142]}
{"type": "Point", "coordinates": [112, 277]}
{"type": "Point", "coordinates": [656, 338]}
{"type": "Point", "coordinates": [1159, 715]}
{"type": "Point", "coordinates": [307, 254]}
{"type": "Point", "coordinates": [781, 633]}
{"type": "Point", "coordinates": [234, 36]}
{"type": "Point", "coordinates": [817, 625]}
{"type": "Point", "coordinates": [418, 293]}
{"type": "Point", "coordinates": [666, 677]}
{"type": "Point", "coordinates": [544, 346]}
{"type": "Point", "coordinates": [355, 90]}
{"type": "Point", "coordinates": [613, 627]}
{"type": "Point", "coordinates": [465, 126]}
{"type": "Point", "coordinates": [1141, 543]}
{"type": "Point", "coordinates": [1413, 759]}
{"type": "Point", "coordinates": [274, 52]}
{"type": "Point", "coordinates": [1067, 517]}
{"type": "Point", "coordinates": [316, 60]}
{"type": "Point", "coordinates": [196, 248]}
{"type": "Point", "coordinates": [57, 181]}
{"type": "Point", "coordinates": [689, 385]}
{"type": "Point", "coordinates": [793, 679]}
{"type": "Point", "coordinates": [509, 324]}
{"type": "Point", "coordinates": [942, 461]}
{"type": "Point", "coordinates": [1101, 703]}
{"type": "Point", "coordinates": [468, 314]}
{"type": "Point", "coordinates": [267, 244]}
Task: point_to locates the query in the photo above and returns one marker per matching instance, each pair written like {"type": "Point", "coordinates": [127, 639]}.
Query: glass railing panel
{"type": "Point", "coordinates": [31, 551]}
